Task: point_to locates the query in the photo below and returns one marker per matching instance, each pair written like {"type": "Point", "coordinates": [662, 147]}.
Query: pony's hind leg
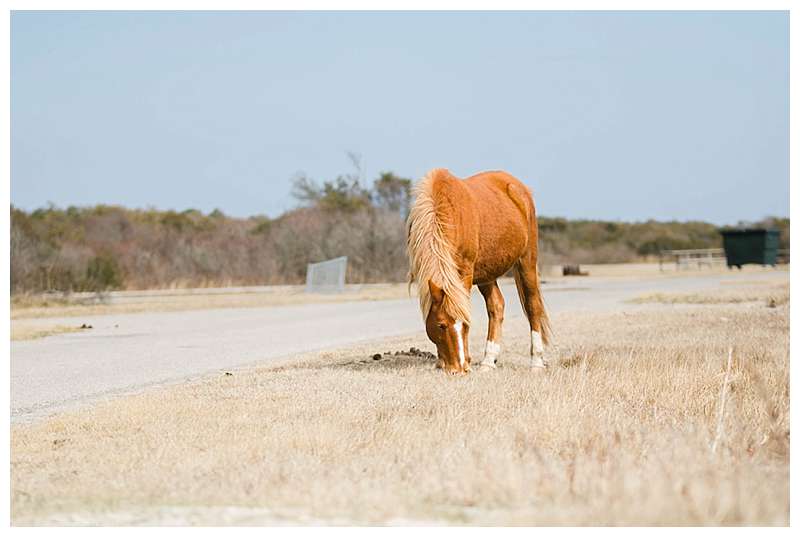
{"type": "Point", "coordinates": [526, 277]}
{"type": "Point", "coordinates": [495, 306]}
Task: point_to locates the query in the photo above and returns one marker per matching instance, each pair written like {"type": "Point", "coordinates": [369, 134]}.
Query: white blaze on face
{"type": "Point", "coordinates": [458, 326]}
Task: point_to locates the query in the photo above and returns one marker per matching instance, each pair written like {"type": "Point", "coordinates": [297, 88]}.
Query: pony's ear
{"type": "Point", "coordinates": [437, 295]}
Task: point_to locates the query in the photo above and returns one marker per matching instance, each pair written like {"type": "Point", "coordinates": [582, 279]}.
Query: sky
{"type": "Point", "coordinates": [605, 115]}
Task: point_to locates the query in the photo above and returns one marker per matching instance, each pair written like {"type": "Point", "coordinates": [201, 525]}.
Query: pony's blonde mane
{"type": "Point", "coordinates": [431, 256]}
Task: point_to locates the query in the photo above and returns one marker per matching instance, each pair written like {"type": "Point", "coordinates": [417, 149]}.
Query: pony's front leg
{"type": "Point", "coordinates": [495, 306]}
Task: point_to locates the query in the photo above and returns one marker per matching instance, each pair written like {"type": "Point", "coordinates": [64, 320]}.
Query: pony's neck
{"type": "Point", "coordinates": [431, 255]}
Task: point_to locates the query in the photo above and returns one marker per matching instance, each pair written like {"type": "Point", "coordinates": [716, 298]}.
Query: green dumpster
{"type": "Point", "coordinates": [753, 245]}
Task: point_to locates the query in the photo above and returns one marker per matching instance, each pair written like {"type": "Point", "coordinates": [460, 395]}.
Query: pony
{"type": "Point", "coordinates": [469, 232]}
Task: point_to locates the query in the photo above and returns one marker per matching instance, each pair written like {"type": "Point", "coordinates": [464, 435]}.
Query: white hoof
{"type": "Point", "coordinates": [537, 362]}
{"type": "Point", "coordinates": [490, 355]}
{"type": "Point", "coordinates": [487, 365]}
{"type": "Point", "coordinates": [537, 345]}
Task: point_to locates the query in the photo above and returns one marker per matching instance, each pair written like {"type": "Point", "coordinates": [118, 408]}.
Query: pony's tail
{"type": "Point", "coordinates": [544, 319]}
{"type": "Point", "coordinates": [527, 279]}
{"type": "Point", "coordinates": [538, 299]}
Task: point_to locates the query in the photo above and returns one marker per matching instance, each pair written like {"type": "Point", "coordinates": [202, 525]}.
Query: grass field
{"type": "Point", "coordinates": [619, 430]}
{"type": "Point", "coordinates": [31, 307]}
{"type": "Point", "coordinates": [22, 331]}
{"type": "Point", "coordinates": [768, 293]}
{"type": "Point", "coordinates": [38, 306]}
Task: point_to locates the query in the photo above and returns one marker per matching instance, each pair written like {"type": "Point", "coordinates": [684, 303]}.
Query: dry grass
{"type": "Point", "coordinates": [770, 294]}
{"type": "Point", "coordinates": [23, 331]}
{"type": "Point", "coordinates": [38, 306]}
{"type": "Point", "coordinates": [179, 299]}
{"type": "Point", "coordinates": [617, 431]}
{"type": "Point", "coordinates": [648, 270]}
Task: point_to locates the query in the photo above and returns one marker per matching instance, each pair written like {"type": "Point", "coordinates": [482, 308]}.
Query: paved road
{"type": "Point", "coordinates": [126, 353]}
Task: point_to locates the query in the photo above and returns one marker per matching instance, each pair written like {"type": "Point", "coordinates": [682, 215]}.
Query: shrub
{"type": "Point", "coordinates": [102, 274]}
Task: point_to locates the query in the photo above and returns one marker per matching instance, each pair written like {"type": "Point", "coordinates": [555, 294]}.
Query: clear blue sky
{"type": "Point", "coordinates": [610, 115]}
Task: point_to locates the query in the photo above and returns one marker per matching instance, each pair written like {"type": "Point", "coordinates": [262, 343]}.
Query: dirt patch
{"type": "Point", "coordinates": [413, 357]}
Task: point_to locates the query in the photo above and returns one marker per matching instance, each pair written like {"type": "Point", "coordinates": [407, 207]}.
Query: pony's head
{"type": "Point", "coordinates": [450, 335]}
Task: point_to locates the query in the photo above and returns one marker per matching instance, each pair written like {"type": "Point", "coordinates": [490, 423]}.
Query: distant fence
{"type": "Point", "coordinates": [327, 276]}
{"type": "Point", "coordinates": [685, 259]}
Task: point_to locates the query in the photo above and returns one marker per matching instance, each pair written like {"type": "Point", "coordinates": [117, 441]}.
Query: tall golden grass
{"type": "Point", "coordinates": [618, 431]}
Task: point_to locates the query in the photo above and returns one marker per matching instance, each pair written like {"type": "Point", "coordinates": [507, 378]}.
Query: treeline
{"type": "Point", "coordinates": [595, 241]}
{"type": "Point", "coordinates": [110, 247]}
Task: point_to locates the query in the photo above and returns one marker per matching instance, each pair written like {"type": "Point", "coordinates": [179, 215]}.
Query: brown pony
{"type": "Point", "coordinates": [470, 232]}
